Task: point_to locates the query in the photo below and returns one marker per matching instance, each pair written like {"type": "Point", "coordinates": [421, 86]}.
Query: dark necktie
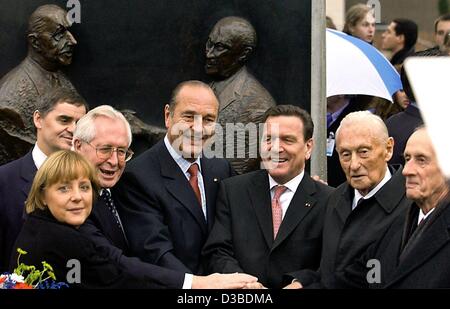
{"type": "Point", "coordinates": [193, 180]}
{"type": "Point", "coordinates": [329, 119]}
{"type": "Point", "coordinates": [106, 195]}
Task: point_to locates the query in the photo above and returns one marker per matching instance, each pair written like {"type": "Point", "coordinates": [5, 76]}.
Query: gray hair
{"type": "Point", "coordinates": [366, 119]}
{"type": "Point", "coordinates": [85, 129]}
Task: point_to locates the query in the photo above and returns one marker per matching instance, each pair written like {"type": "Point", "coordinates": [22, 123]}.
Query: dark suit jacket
{"type": "Point", "coordinates": [162, 219]}
{"type": "Point", "coordinates": [46, 239]}
{"type": "Point", "coordinates": [102, 229]}
{"type": "Point", "coordinates": [16, 178]}
{"type": "Point", "coordinates": [424, 262]}
{"type": "Point", "coordinates": [242, 236]}
{"type": "Point", "coordinates": [400, 127]}
{"type": "Point", "coordinates": [348, 234]}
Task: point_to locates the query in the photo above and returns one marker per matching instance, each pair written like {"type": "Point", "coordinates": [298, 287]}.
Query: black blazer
{"type": "Point", "coordinates": [161, 216]}
{"type": "Point", "coordinates": [425, 265]}
{"type": "Point", "coordinates": [242, 236]}
{"type": "Point", "coordinates": [102, 229]}
{"type": "Point", "coordinates": [16, 178]}
{"type": "Point", "coordinates": [46, 239]}
{"type": "Point", "coordinates": [348, 234]}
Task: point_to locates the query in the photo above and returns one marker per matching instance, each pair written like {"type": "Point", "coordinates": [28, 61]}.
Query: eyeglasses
{"type": "Point", "coordinates": [105, 152]}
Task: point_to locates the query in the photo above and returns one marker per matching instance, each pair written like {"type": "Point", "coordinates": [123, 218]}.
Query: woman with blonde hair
{"type": "Point", "coordinates": [60, 200]}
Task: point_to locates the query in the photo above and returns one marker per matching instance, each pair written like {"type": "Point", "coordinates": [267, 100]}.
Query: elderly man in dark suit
{"type": "Point", "coordinates": [364, 207]}
{"type": "Point", "coordinates": [103, 136]}
{"type": "Point", "coordinates": [248, 236]}
{"type": "Point", "coordinates": [414, 252]}
{"type": "Point", "coordinates": [54, 119]}
{"type": "Point", "coordinates": [242, 98]}
{"type": "Point", "coordinates": [168, 193]}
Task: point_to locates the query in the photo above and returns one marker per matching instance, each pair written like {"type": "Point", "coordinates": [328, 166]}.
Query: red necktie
{"type": "Point", "coordinates": [193, 180]}
{"type": "Point", "coordinates": [277, 212]}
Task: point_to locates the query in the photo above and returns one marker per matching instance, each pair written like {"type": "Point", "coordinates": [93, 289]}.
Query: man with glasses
{"type": "Point", "coordinates": [103, 136]}
{"type": "Point", "coordinates": [54, 119]}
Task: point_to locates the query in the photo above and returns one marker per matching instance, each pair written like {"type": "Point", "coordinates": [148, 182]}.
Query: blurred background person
{"type": "Point", "coordinates": [360, 22]}
{"type": "Point", "coordinates": [400, 39]}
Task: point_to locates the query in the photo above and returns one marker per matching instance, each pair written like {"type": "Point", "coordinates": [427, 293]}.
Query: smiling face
{"type": "Point", "coordinates": [284, 149]}
{"type": "Point", "coordinates": [192, 122]}
{"type": "Point", "coordinates": [109, 132]}
{"type": "Point", "coordinates": [425, 183]}
{"type": "Point", "coordinates": [55, 129]}
{"type": "Point", "coordinates": [363, 155]}
{"type": "Point", "coordinates": [70, 202]}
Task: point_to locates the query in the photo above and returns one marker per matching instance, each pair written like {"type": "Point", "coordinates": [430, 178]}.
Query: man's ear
{"type": "Point", "coordinates": [37, 117]}
{"type": "Point", "coordinates": [76, 145]}
{"type": "Point", "coordinates": [167, 115]}
{"type": "Point", "coordinates": [401, 39]}
{"type": "Point", "coordinates": [33, 41]}
{"type": "Point", "coordinates": [245, 55]}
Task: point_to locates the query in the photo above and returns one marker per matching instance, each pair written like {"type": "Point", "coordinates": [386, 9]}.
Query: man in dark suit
{"type": "Point", "coordinates": [54, 119]}
{"type": "Point", "coordinates": [167, 195]}
{"type": "Point", "coordinates": [103, 136]}
{"type": "Point", "coordinates": [364, 207]}
{"type": "Point", "coordinates": [242, 98]}
{"type": "Point", "coordinates": [250, 237]}
{"type": "Point", "coordinates": [414, 252]}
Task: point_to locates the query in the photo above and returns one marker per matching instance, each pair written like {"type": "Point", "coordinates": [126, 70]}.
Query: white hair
{"type": "Point", "coordinates": [85, 129]}
{"type": "Point", "coordinates": [365, 119]}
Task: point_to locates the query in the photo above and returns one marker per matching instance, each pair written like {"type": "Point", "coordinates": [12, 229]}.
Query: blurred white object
{"type": "Point", "coordinates": [428, 77]}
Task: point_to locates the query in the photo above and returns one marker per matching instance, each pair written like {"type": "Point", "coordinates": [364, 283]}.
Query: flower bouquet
{"type": "Point", "coordinates": [28, 277]}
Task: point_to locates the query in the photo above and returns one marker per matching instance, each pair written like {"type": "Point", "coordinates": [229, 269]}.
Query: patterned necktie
{"type": "Point", "coordinates": [277, 212]}
{"type": "Point", "coordinates": [193, 180]}
{"type": "Point", "coordinates": [106, 195]}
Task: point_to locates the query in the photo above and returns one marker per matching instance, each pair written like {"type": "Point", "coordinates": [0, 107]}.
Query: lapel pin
{"type": "Point", "coordinates": [307, 205]}
{"type": "Point", "coordinates": [215, 180]}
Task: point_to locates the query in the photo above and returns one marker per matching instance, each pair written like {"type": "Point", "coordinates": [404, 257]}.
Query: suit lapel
{"type": "Point", "coordinates": [210, 183]}
{"type": "Point", "coordinates": [110, 227]}
{"type": "Point", "coordinates": [260, 199]}
{"type": "Point", "coordinates": [343, 207]}
{"type": "Point", "coordinates": [233, 90]}
{"type": "Point", "coordinates": [433, 238]}
{"type": "Point", "coordinates": [27, 172]}
{"type": "Point", "coordinates": [300, 205]}
{"type": "Point", "coordinates": [179, 187]}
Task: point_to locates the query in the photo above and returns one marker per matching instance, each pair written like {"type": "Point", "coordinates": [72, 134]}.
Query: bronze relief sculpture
{"type": "Point", "coordinates": [243, 100]}
{"type": "Point", "coordinates": [50, 48]}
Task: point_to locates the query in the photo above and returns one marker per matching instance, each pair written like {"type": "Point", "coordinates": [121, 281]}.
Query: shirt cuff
{"type": "Point", "coordinates": [187, 284]}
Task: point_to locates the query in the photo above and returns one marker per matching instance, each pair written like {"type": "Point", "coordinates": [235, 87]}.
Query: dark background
{"type": "Point", "coordinates": [131, 54]}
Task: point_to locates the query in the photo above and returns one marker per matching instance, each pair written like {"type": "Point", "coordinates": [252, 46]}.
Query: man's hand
{"type": "Point", "coordinates": [222, 281]}
{"type": "Point", "coordinates": [254, 285]}
{"type": "Point", "coordinates": [294, 285]}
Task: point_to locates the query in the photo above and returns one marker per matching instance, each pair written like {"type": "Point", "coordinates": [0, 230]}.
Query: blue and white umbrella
{"type": "Point", "coordinates": [356, 67]}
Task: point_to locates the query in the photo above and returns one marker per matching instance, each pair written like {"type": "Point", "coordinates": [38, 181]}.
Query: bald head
{"type": "Point", "coordinates": [365, 120]}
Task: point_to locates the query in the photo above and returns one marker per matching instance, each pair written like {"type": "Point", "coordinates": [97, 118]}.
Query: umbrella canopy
{"type": "Point", "coordinates": [356, 67]}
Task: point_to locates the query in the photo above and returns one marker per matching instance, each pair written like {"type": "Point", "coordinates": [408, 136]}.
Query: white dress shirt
{"type": "Point", "coordinates": [424, 216]}
{"type": "Point", "coordinates": [372, 192]}
{"type": "Point", "coordinates": [38, 156]}
{"type": "Point", "coordinates": [286, 197]}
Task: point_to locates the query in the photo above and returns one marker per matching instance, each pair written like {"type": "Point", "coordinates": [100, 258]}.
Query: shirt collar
{"type": "Point", "coordinates": [181, 162]}
{"type": "Point", "coordinates": [372, 192]}
{"type": "Point", "coordinates": [292, 184]}
{"type": "Point", "coordinates": [38, 156]}
{"type": "Point", "coordinates": [424, 216]}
